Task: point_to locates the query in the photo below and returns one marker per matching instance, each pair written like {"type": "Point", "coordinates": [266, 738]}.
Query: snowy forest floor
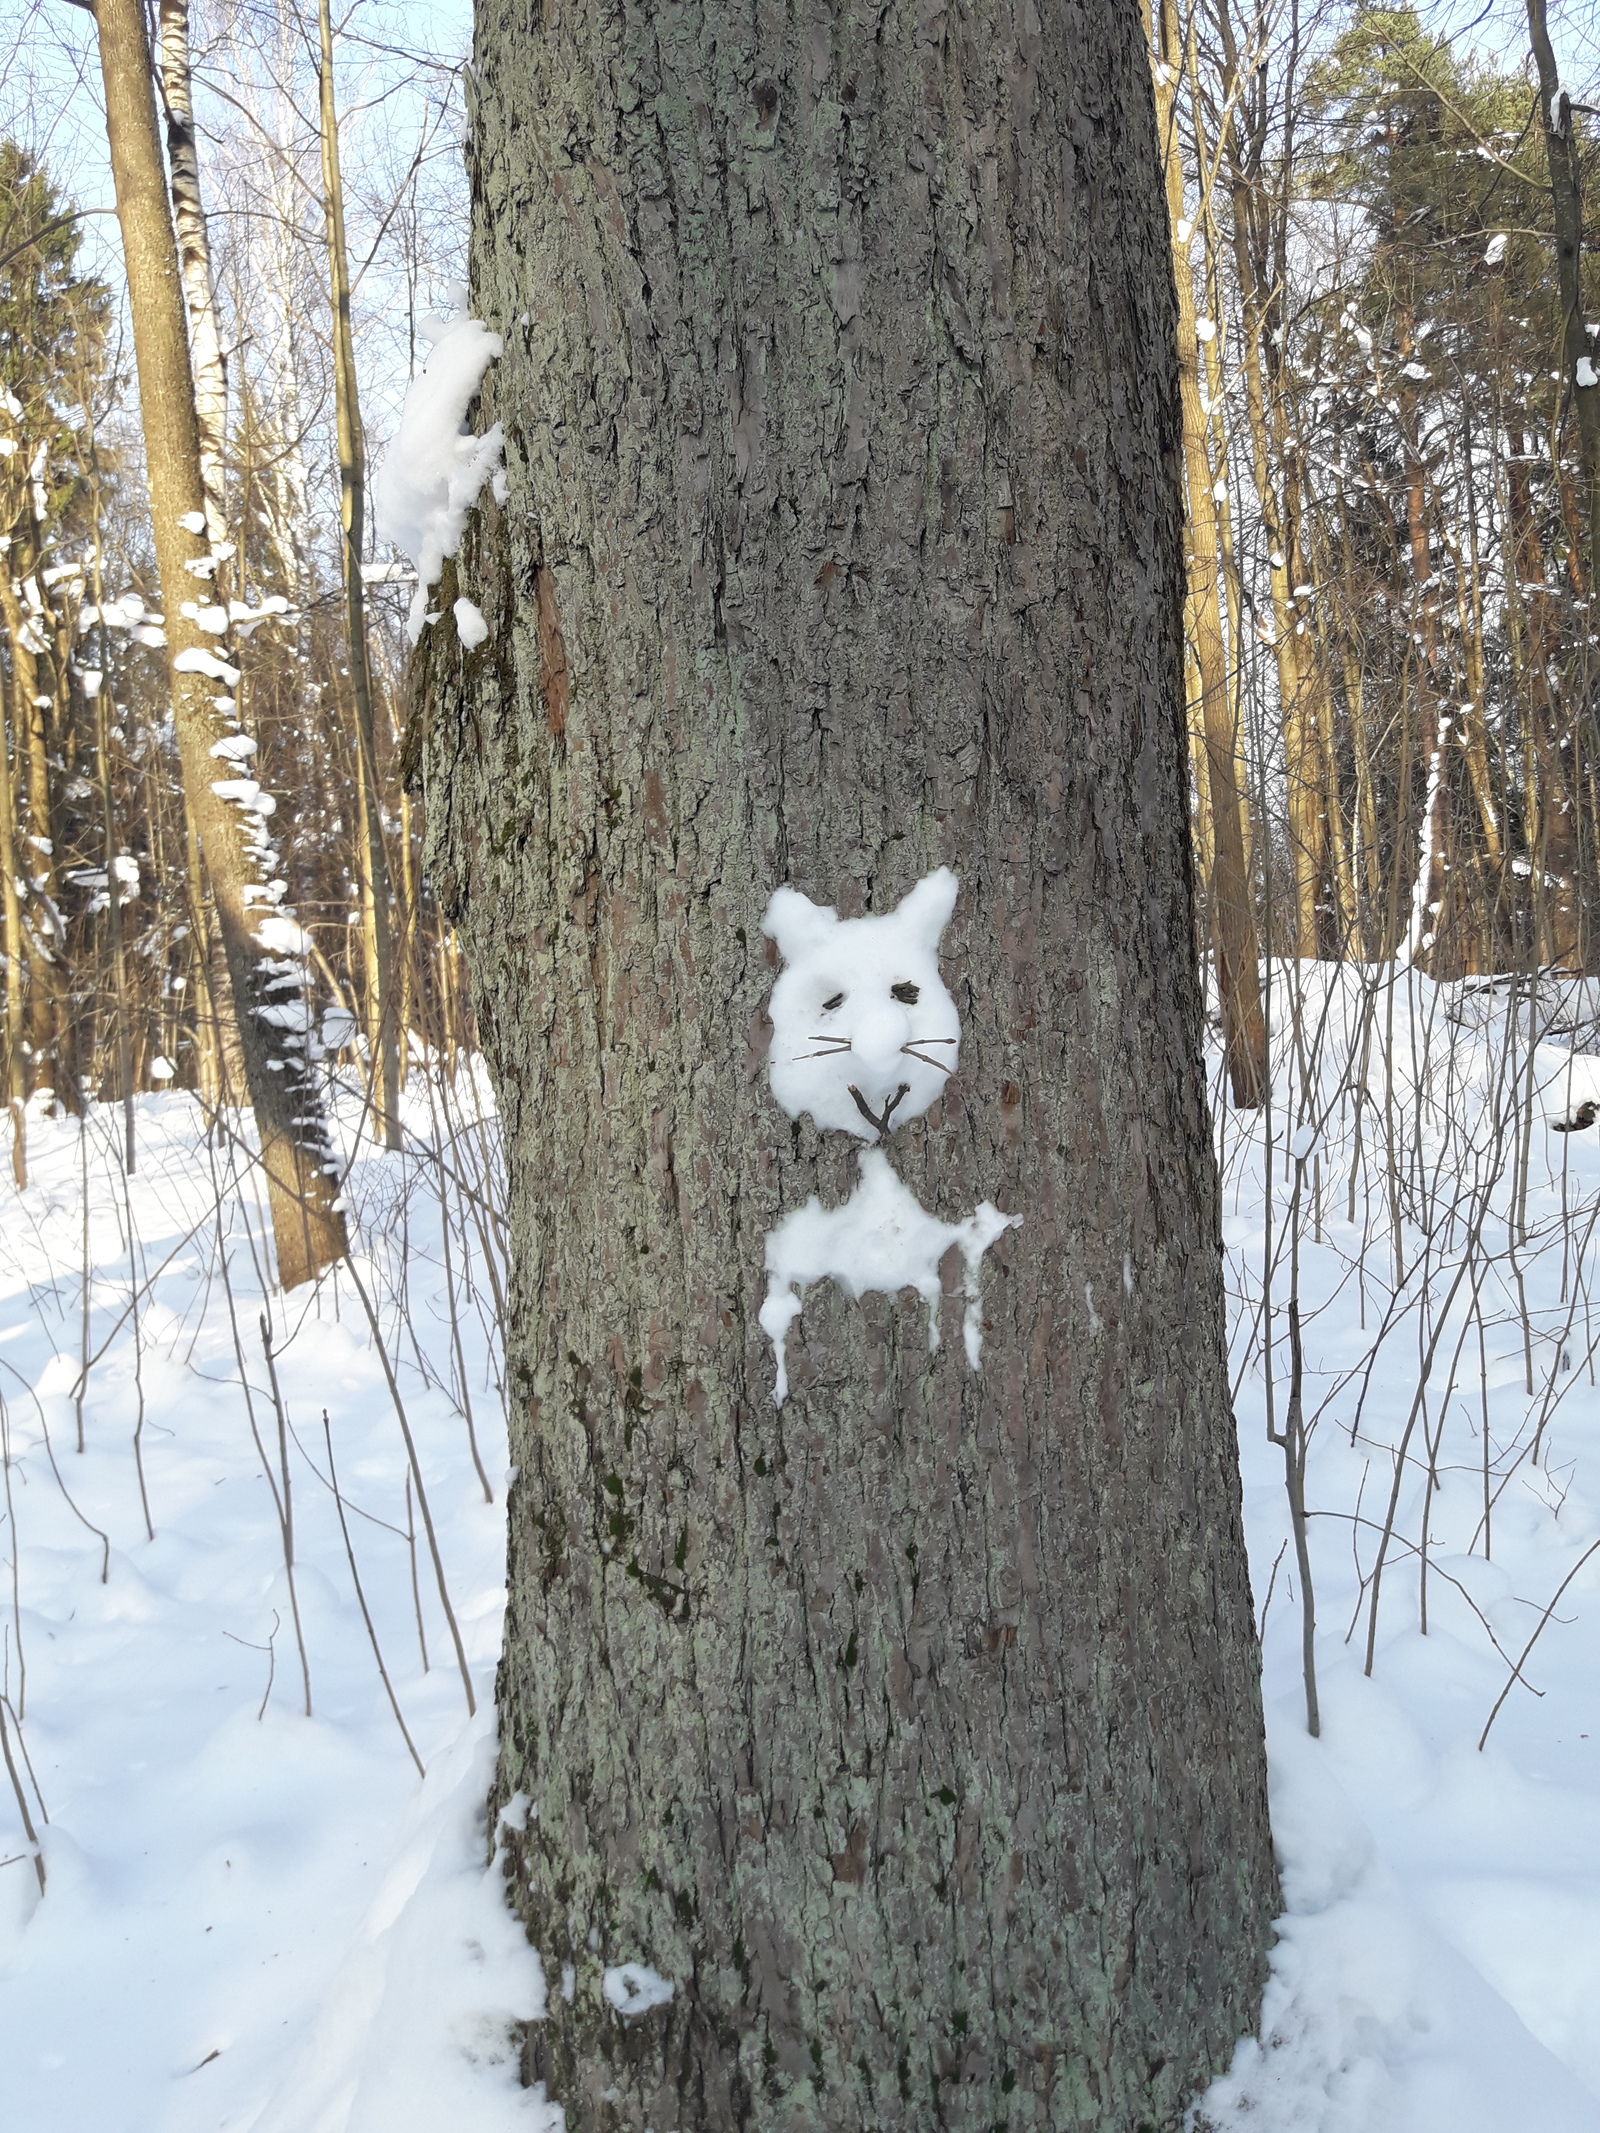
{"type": "Point", "coordinates": [252, 1919]}
{"type": "Point", "coordinates": [255, 1920]}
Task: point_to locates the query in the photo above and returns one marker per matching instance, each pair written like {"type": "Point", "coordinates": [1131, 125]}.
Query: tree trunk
{"type": "Point", "coordinates": [1577, 351]}
{"type": "Point", "coordinates": [1259, 197]}
{"type": "Point", "coordinates": [99, 691]}
{"type": "Point", "coordinates": [1232, 903]}
{"type": "Point", "coordinates": [1426, 933]}
{"type": "Point", "coordinates": [220, 797]}
{"type": "Point", "coordinates": [35, 685]}
{"type": "Point", "coordinates": [383, 1026]}
{"type": "Point", "coordinates": [194, 265]}
{"type": "Point", "coordinates": [1536, 642]}
{"type": "Point", "coordinates": [16, 964]}
{"type": "Point", "coordinates": [911, 1729]}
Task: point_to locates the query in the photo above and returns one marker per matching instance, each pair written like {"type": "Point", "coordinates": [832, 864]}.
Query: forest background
{"type": "Point", "coordinates": [1391, 446]}
{"type": "Point", "coordinates": [1390, 456]}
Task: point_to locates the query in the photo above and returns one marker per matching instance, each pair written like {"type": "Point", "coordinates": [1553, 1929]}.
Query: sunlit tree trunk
{"type": "Point", "coordinates": [910, 1729]}
{"type": "Point", "coordinates": [37, 686]}
{"type": "Point", "coordinates": [1426, 927]}
{"type": "Point", "coordinates": [1232, 904]}
{"type": "Point", "coordinates": [1578, 352]}
{"type": "Point", "coordinates": [16, 965]}
{"type": "Point", "coordinates": [194, 265]}
{"type": "Point", "coordinates": [100, 688]}
{"type": "Point", "coordinates": [383, 1032]}
{"type": "Point", "coordinates": [219, 796]}
{"type": "Point", "coordinates": [1537, 640]}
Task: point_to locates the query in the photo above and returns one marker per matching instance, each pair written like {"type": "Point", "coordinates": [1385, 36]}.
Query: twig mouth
{"type": "Point", "coordinates": [872, 1118]}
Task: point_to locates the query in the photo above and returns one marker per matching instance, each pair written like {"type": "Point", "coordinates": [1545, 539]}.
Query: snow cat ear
{"type": "Point", "coordinates": [797, 924]}
{"type": "Point", "coordinates": [925, 910]}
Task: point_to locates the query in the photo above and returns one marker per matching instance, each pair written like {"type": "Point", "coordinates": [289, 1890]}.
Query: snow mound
{"type": "Point", "coordinates": [420, 2028]}
{"type": "Point", "coordinates": [1373, 2022]}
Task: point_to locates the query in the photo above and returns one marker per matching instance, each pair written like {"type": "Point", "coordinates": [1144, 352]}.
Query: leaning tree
{"type": "Point", "coordinates": [909, 1730]}
{"type": "Point", "coordinates": [263, 974]}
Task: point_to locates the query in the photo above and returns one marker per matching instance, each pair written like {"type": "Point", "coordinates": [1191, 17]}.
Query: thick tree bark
{"type": "Point", "coordinates": [220, 797]}
{"type": "Point", "coordinates": [912, 1729]}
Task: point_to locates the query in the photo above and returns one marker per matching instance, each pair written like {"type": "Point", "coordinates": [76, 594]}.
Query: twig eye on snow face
{"type": "Point", "coordinates": [875, 982]}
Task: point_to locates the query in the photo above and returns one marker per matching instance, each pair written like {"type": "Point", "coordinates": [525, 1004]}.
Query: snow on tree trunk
{"type": "Point", "coordinates": [908, 1731]}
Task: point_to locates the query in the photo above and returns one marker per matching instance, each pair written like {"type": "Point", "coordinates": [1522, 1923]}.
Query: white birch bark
{"type": "Point", "coordinates": [194, 262]}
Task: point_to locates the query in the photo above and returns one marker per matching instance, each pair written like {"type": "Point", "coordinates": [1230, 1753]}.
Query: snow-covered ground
{"type": "Point", "coordinates": [255, 1919]}
{"type": "Point", "coordinates": [251, 1918]}
{"type": "Point", "coordinates": [1439, 1964]}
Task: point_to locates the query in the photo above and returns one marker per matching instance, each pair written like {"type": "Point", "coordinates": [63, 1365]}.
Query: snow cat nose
{"type": "Point", "coordinates": [877, 1052]}
{"type": "Point", "coordinates": [877, 1067]}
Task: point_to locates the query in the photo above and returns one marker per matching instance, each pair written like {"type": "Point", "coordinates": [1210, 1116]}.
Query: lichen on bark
{"type": "Point", "coordinates": [912, 1730]}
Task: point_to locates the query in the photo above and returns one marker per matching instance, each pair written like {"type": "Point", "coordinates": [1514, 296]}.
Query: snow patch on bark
{"type": "Point", "coordinates": [194, 660]}
{"type": "Point", "coordinates": [634, 1988]}
{"type": "Point", "coordinates": [864, 1031]}
{"type": "Point", "coordinates": [881, 1238]}
{"type": "Point", "coordinates": [433, 472]}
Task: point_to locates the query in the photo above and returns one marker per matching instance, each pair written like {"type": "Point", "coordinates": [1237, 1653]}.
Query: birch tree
{"type": "Point", "coordinates": [228, 812]}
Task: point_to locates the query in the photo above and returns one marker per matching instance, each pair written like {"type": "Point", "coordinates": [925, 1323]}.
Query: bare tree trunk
{"type": "Point", "coordinates": [220, 796]}
{"type": "Point", "coordinates": [1578, 352]}
{"type": "Point", "coordinates": [108, 808]}
{"type": "Point", "coordinates": [910, 1730]}
{"type": "Point", "coordinates": [35, 682]}
{"type": "Point", "coordinates": [383, 1033]}
{"type": "Point", "coordinates": [1232, 904]}
{"type": "Point", "coordinates": [1370, 886]}
{"type": "Point", "coordinates": [1536, 643]}
{"type": "Point", "coordinates": [1298, 677]}
{"type": "Point", "coordinates": [216, 1033]}
{"type": "Point", "coordinates": [16, 964]}
{"type": "Point", "coordinates": [1426, 929]}
{"type": "Point", "coordinates": [1259, 210]}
